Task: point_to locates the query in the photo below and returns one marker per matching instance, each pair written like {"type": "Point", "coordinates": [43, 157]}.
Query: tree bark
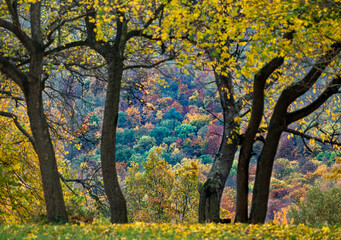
{"type": "Point", "coordinates": [211, 191]}
{"type": "Point", "coordinates": [249, 136]}
{"type": "Point", "coordinates": [55, 206]}
{"type": "Point", "coordinates": [118, 208]}
{"type": "Point", "coordinates": [264, 169]}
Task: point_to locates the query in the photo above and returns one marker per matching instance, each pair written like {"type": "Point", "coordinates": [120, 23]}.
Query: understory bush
{"type": "Point", "coordinates": [319, 207]}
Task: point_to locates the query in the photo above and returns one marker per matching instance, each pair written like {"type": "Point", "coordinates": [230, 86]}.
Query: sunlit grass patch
{"type": "Point", "coordinates": [168, 231]}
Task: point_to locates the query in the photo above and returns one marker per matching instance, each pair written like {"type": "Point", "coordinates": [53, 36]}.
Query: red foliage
{"type": "Point", "coordinates": [279, 193]}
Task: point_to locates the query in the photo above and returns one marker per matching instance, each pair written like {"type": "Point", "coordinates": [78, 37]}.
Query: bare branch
{"type": "Point", "coordinates": [148, 66]}
{"type": "Point", "coordinates": [304, 135]}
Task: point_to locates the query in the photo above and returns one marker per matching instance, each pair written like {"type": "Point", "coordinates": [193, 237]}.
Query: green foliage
{"type": "Point", "coordinates": [148, 192]}
{"type": "Point", "coordinates": [320, 207]}
{"type": "Point", "coordinates": [123, 154]}
{"type": "Point", "coordinates": [169, 140]}
{"type": "Point", "coordinates": [233, 171]}
{"type": "Point", "coordinates": [94, 120]}
{"type": "Point", "coordinates": [172, 114]}
{"type": "Point", "coordinates": [170, 123]}
{"type": "Point", "coordinates": [328, 157]}
{"type": "Point", "coordinates": [159, 133]}
{"type": "Point", "coordinates": [185, 130]}
{"type": "Point", "coordinates": [122, 118]}
{"type": "Point", "coordinates": [144, 144]}
{"type": "Point", "coordinates": [205, 159]}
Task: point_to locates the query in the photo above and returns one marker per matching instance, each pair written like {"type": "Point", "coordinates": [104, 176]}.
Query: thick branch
{"type": "Point", "coordinates": [10, 95]}
{"type": "Point", "coordinates": [21, 35]}
{"type": "Point", "coordinates": [148, 66]}
{"type": "Point", "coordinates": [65, 46]}
{"type": "Point", "coordinates": [35, 21]}
{"type": "Point", "coordinates": [296, 90]}
{"type": "Point", "coordinates": [12, 72]}
{"type": "Point", "coordinates": [328, 92]}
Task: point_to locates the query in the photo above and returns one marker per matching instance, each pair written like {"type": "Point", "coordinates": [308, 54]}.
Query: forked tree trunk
{"type": "Point", "coordinates": [249, 137]}
{"type": "Point", "coordinates": [280, 120]}
{"type": "Point", "coordinates": [211, 191]}
{"type": "Point", "coordinates": [118, 208]}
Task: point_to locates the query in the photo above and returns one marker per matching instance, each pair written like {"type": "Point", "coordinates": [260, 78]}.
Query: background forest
{"type": "Point", "coordinates": [167, 138]}
{"type": "Point", "coordinates": [192, 107]}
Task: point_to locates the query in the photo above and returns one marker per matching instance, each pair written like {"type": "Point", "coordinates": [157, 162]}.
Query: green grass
{"type": "Point", "coordinates": [168, 231]}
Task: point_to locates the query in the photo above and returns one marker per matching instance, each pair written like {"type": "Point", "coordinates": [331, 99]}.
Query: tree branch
{"type": "Point", "coordinates": [134, 33]}
{"type": "Point", "coordinates": [20, 128]}
{"type": "Point", "coordinates": [332, 88]}
{"type": "Point", "coordinates": [296, 90]}
{"type": "Point", "coordinates": [57, 26]}
{"type": "Point", "coordinates": [12, 72]}
{"type": "Point", "coordinates": [66, 184]}
{"type": "Point", "coordinates": [304, 135]}
{"type": "Point", "coordinates": [15, 28]}
{"type": "Point", "coordinates": [149, 66]}
{"type": "Point", "coordinates": [10, 95]}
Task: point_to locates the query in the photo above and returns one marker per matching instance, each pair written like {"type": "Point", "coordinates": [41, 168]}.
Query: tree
{"type": "Point", "coordinates": [123, 33]}
{"type": "Point", "coordinates": [283, 113]}
{"type": "Point", "coordinates": [159, 133]}
{"type": "Point", "coordinates": [268, 50]}
{"type": "Point", "coordinates": [159, 193]}
{"type": "Point", "coordinates": [26, 40]}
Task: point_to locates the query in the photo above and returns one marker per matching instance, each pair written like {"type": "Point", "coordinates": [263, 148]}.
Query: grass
{"type": "Point", "coordinates": [168, 231]}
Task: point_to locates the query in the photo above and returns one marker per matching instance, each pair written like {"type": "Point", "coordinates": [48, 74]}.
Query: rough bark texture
{"type": "Point", "coordinates": [211, 191]}
{"type": "Point", "coordinates": [55, 206]}
{"type": "Point", "coordinates": [112, 188]}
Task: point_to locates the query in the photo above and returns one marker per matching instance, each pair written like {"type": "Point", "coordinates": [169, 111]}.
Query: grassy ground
{"type": "Point", "coordinates": [168, 231]}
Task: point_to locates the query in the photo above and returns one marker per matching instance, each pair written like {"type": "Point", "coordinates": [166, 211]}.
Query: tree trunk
{"type": "Point", "coordinates": [118, 208]}
{"type": "Point", "coordinates": [211, 191]}
{"type": "Point", "coordinates": [249, 137]}
{"type": "Point", "coordinates": [246, 151]}
{"type": "Point", "coordinates": [265, 163]}
{"type": "Point", "coordinates": [263, 177]}
{"type": "Point", "coordinates": [55, 206]}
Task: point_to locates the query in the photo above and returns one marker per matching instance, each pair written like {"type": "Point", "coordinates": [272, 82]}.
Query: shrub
{"type": "Point", "coordinates": [320, 207]}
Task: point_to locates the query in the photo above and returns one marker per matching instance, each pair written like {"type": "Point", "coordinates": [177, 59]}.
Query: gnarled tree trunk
{"type": "Point", "coordinates": [280, 120]}
{"type": "Point", "coordinates": [211, 191]}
